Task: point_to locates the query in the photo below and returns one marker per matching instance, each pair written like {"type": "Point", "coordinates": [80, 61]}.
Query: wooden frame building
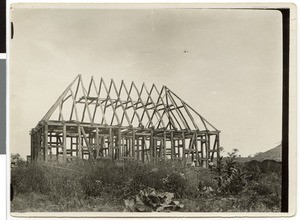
{"type": "Point", "coordinates": [123, 123]}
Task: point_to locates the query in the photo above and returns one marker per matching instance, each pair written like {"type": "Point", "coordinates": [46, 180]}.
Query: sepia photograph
{"type": "Point", "coordinates": [147, 109]}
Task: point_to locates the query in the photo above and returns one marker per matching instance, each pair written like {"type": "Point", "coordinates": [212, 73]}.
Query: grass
{"type": "Point", "coordinates": [102, 186]}
{"type": "Point", "coordinates": [37, 202]}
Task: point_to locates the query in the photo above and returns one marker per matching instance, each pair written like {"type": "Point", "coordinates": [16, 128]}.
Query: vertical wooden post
{"type": "Point", "coordinates": [97, 143]}
{"type": "Point", "coordinates": [202, 150]}
{"type": "Point", "coordinates": [122, 148]}
{"type": "Point", "coordinates": [165, 144]}
{"type": "Point", "coordinates": [45, 142]}
{"type": "Point", "coordinates": [50, 146]}
{"type": "Point", "coordinates": [218, 146]}
{"type": "Point", "coordinates": [102, 150]}
{"type": "Point", "coordinates": [133, 145]}
{"type": "Point", "coordinates": [57, 148]}
{"type": "Point", "coordinates": [172, 146]}
{"type": "Point", "coordinates": [138, 148]}
{"type": "Point", "coordinates": [126, 147]}
{"type": "Point", "coordinates": [89, 146]}
{"type": "Point", "coordinates": [129, 142]}
{"type": "Point", "coordinates": [64, 142]}
{"type": "Point", "coordinates": [192, 147]}
{"type": "Point", "coordinates": [207, 137]}
{"type": "Point", "coordinates": [39, 145]}
{"type": "Point", "coordinates": [71, 147]}
{"type": "Point", "coordinates": [80, 153]}
{"type": "Point", "coordinates": [151, 146]}
{"type": "Point", "coordinates": [119, 144]}
{"type": "Point", "coordinates": [143, 149]}
{"type": "Point", "coordinates": [196, 147]}
{"type": "Point", "coordinates": [154, 149]}
{"type": "Point", "coordinates": [110, 144]}
{"type": "Point", "coordinates": [177, 149]}
{"type": "Point", "coordinates": [183, 147]}
{"type": "Point", "coordinates": [77, 146]}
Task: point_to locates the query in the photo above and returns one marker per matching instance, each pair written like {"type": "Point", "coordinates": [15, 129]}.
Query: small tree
{"type": "Point", "coordinates": [234, 153]}
{"type": "Point", "coordinates": [16, 160]}
{"type": "Point", "coordinates": [229, 177]}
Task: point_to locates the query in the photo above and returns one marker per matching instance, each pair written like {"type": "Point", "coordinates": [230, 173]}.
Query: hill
{"type": "Point", "coordinates": [272, 154]}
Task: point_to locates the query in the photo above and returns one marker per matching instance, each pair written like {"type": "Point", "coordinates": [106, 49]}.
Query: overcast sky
{"type": "Point", "coordinates": [227, 64]}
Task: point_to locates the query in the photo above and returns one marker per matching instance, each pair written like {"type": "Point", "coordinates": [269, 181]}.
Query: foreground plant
{"type": "Point", "coordinates": [149, 200]}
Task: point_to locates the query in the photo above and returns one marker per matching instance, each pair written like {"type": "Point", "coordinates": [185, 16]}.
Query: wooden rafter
{"type": "Point", "coordinates": [145, 108]}
{"type": "Point", "coordinates": [85, 99]}
{"type": "Point", "coordinates": [111, 102]}
{"type": "Point", "coordinates": [98, 103]}
{"type": "Point", "coordinates": [154, 105]}
{"type": "Point", "coordinates": [132, 104]}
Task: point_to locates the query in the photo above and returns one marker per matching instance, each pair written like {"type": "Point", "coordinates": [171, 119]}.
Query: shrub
{"type": "Point", "coordinates": [230, 178]}
{"type": "Point", "coordinates": [64, 184]}
{"type": "Point", "coordinates": [16, 160]}
{"type": "Point", "coordinates": [29, 178]}
{"type": "Point", "coordinates": [175, 183]}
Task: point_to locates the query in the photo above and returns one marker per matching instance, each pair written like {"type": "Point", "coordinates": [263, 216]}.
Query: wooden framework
{"type": "Point", "coordinates": [123, 123]}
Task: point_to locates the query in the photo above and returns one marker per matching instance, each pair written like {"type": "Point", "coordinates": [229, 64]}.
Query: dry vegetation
{"type": "Point", "coordinates": [105, 186]}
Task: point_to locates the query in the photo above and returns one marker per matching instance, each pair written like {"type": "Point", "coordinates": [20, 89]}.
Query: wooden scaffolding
{"type": "Point", "coordinates": [123, 123]}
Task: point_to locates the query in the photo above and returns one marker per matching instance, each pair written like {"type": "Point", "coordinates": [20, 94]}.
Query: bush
{"type": "Point", "coordinates": [64, 184]}
{"type": "Point", "coordinates": [16, 160]}
{"type": "Point", "coordinates": [29, 178]}
{"type": "Point", "coordinates": [230, 178]}
{"type": "Point", "coordinates": [252, 190]}
{"type": "Point", "coordinates": [128, 180]}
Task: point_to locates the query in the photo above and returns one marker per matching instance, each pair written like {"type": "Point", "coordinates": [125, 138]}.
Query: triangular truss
{"type": "Point", "coordinates": [109, 104]}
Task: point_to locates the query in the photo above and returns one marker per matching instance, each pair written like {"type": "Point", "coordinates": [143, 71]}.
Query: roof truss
{"type": "Point", "coordinates": [109, 104]}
